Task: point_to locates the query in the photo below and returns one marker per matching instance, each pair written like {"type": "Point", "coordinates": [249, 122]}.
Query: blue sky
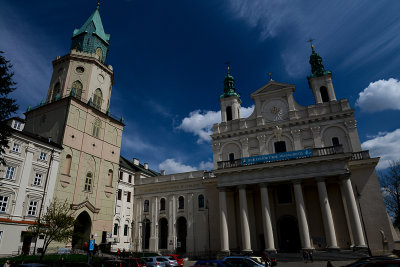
{"type": "Point", "coordinates": [169, 63]}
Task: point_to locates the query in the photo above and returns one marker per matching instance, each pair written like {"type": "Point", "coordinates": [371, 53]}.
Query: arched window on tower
{"type": "Point", "coordinates": [88, 182]}
{"type": "Point", "coordinates": [77, 86]}
{"type": "Point", "coordinates": [229, 113]}
{"type": "Point", "coordinates": [98, 98]}
{"type": "Point", "coordinates": [146, 206]}
{"type": "Point", "coordinates": [99, 52]}
{"type": "Point", "coordinates": [67, 164]}
{"type": "Point", "coordinates": [96, 128]}
{"type": "Point", "coordinates": [110, 177]}
{"type": "Point", "coordinates": [335, 141]}
{"type": "Point", "coordinates": [162, 204]}
{"type": "Point", "coordinates": [181, 203]}
{"type": "Point", "coordinates": [56, 92]}
{"type": "Point", "coordinates": [324, 94]}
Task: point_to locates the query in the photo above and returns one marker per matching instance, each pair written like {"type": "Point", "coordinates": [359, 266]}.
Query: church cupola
{"type": "Point", "coordinates": [91, 38]}
{"type": "Point", "coordinates": [230, 100]}
{"type": "Point", "coordinates": [320, 80]}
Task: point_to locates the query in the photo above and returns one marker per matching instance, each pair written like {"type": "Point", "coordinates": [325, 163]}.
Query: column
{"type": "Point", "coordinates": [171, 224]}
{"type": "Point", "coordinates": [244, 219]}
{"type": "Point", "coordinates": [223, 221]}
{"type": "Point", "coordinates": [266, 215]}
{"type": "Point", "coordinates": [301, 216]}
{"type": "Point", "coordinates": [355, 222]}
{"type": "Point", "coordinates": [153, 224]}
{"type": "Point", "coordinates": [327, 219]}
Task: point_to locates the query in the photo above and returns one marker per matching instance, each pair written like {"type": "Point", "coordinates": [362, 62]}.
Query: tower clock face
{"type": "Point", "coordinates": [275, 110]}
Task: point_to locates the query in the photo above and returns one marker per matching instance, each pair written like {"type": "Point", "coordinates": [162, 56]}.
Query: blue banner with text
{"type": "Point", "coordinates": [277, 157]}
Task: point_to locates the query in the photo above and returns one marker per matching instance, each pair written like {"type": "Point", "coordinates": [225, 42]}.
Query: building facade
{"type": "Point", "coordinates": [26, 187]}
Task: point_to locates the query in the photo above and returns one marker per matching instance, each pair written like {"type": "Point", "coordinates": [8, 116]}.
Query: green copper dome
{"type": "Point", "coordinates": [229, 86]}
{"type": "Point", "coordinates": [317, 69]}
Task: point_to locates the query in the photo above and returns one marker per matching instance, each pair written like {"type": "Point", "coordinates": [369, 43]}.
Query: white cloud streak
{"type": "Point", "coordinates": [385, 146]}
{"type": "Point", "coordinates": [174, 166]}
{"type": "Point", "coordinates": [380, 95]}
{"type": "Point", "coordinates": [200, 122]}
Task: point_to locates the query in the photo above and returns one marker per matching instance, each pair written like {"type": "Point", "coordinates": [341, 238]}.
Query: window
{"type": "Point", "coordinates": [280, 147]}
{"type": "Point", "coordinates": [121, 175]}
{"type": "Point", "coordinates": [125, 230]}
{"type": "Point", "coordinates": [99, 52]}
{"type": "Point", "coordinates": [181, 203]}
{"type": "Point", "coordinates": [130, 178]}
{"type": "Point", "coordinates": [10, 172]}
{"type": "Point", "coordinates": [110, 177]}
{"type": "Point", "coordinates": [162, 204]}
{"type": "Point", "coordinates": [17, 125]}
{"type": "Point", "coordinates": [3, 203]}
{"type": "Point", "coordinates": [38, 179]}
{"type": "Point", "coordinates": [335, 141]}
{"type": "Point", "coordinates": [231, 157]}
{"type": "Point", "coordinates": [115, 229]}
{"type": "Point", "coordinates": [324, 94]}
{"type": "Point", "coordinates": [42, 156]}
{"type": "Point", "coordinates": [32, 208]}
{"type": "Point", "coordinates": [201, 201]}
{"type": "Point", "coordinates": [146, 206]}
{"type": "Point", "coordinates": [88, 182]}
{"type": "Point", "coordinates": [96, 128]}
{"type": "Point", "coordinates": [16, 147]}
{"type": "Point", "coordinates": [119, 194]}
{"type": "Point", "coordinates": [98, 98]}
{"type": "Point", "coordinates": [128, 197]}
{"type": "Point", "coordinates": [56, 91]}
{"type": "Point", "coordinates": [67, 166]}
{"type": "Point", "coordinates": [229, 113]}
{"type": "Point", "coordinates": [77, 86]}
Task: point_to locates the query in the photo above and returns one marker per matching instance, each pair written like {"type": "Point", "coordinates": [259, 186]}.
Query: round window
{"type": "Point", "coordinates": [80, 69]}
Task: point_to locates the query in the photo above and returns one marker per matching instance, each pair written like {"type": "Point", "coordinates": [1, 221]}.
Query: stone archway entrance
{"type": "Point", "coordinates": [163, 233]}
{"type": "Point", "coordinates": [82, 229]}
{"type": "Point", "coordinates": [288, 234]}
{"type": "Point", "coordinates": [181, 227]}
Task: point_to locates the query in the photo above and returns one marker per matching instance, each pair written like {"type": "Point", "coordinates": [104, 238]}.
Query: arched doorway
{"type": "Point", "coordinates": [145, 234]}
{"type": "Point", "coordinates": [288, 234]}
{"type": "Point", "coordinates": [163, 233]}
{"type": "Point", "coordinates": [181, 226]}
{"type": "Point", "coordinates": [82, 229]}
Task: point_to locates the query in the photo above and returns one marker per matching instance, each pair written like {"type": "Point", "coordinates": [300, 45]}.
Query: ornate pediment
{"type": "Point", "coordinates": [86, 204]}
{"type": "Point", "coordinates": [273, 86]}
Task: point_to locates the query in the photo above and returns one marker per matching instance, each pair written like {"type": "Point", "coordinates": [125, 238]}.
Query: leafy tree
{"type": "Point", "coordinates": [55, 225]}
{"type": "Point", "coordinates": [7, 105]}
{"type": "Point", "coordinates": [390, 183]}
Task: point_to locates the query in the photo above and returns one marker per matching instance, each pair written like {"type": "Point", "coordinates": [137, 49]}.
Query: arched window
{"type": "Point", "coordinates": [110, 177]}
{"type": "Point", "coordinates": [88, 182]}
{"type": "Point", "coordinates": [99, 52]}
{"type": "Point", "coordinates": [56, 92]}
{"type": "Point", "coordinates": [98, 98]}
{"type": "Point", "coordinates": [67, 165]}
{"type": "Point", "coordinates": [146, 206]}
{"type": "Point", "coordinates": [229, 113]}
{"type": "Point", "coordinates": [77, 86]}
{"type": "Point", "coordinates": [201, 201]}
{"type": "Point", "coordinates": [280, 147]}
{"type": "Point", "coordinates": [96, 128]}
{"type": "Point", "coordinates": [231, 157]}
{"type": "Point", "coordinates": [335, 141]}
{"type": "Point", "coordinates": [162, 204]}
{"type": "Point", "coordinates": [324, 94]}
{"type": "Point", "coordinates": [181, 203]}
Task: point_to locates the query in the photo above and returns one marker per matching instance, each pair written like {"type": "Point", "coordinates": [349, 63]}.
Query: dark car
{"type": "Point", "coordinates": [114, 263]}
{"type": "Point", "coordinates": [375, 261]}
{"type": "Point", "coordinates": [213, 263]}
{"type": "Point", "coordinates": [135, 262]}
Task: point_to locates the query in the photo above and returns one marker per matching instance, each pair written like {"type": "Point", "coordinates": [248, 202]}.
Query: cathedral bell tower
{"type": "Point", "coordinates": [83, 72]}
{"type": "Point", "coordinates": [320, 80]}
{"type": "Point", "coordinates": [230, 100]}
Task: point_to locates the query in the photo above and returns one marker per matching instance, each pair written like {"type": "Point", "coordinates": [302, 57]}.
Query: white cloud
{"type": "Point", "coordinates": [385, 145]}
{"type": "Point", "coordinates": [380, 95]}
{"type": "Point", "coordinates": [174, 166]}
{"type": "Point", "coordinates": [200, 122]}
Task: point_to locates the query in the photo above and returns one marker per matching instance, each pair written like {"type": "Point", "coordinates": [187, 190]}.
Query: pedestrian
{"type": "Point", "coordinates": [7, 264]}
{"type": "Point", "coordinates": [310, 255]}
{"type": "Point", "coordinates": [119, 253]}
{"type": "Point", "coordinates": [329, 264]}
{"type": "Point", "coordinates": [266, 259]}
{"type": "Point", "coordinates": [61, 262]}
{"type": "Point", "coordinates": [305, 256]}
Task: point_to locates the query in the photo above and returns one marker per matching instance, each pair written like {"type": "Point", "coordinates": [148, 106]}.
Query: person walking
{"type": "Point", "coordinates": [7, 264]}
{"type": "Point", "coordinates": [305, 256]}
{"type": "Point", "coordinates": [310, 255]}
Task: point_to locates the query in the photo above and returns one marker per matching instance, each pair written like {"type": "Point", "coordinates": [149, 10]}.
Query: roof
{"type": "Point", "coordinates": [127, 164]}
{"type": "Point", "coordinates": [38, 138]}
{"type": "Point", "coordinates": [99, 30]}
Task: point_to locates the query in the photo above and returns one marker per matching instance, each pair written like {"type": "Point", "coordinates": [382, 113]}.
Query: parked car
{"type": "Point", "coordinates": [154, 261]}
{"type": "Point", "coordinates": [241, 261]}
{"type": "Point", "coordinates": [114, 263]}
{"type": "Point", "coordinates": [32, 265]}
{"type": "Point", "coordinates": [213, 263]}
{"type": "Point", "coordinates": [177, 258]}
{"type": "Point", "coordinates": [169, 261]}
{"type": "Point", "coordinates": [135, 262]}
{"type": "Point", "coordinates": [375, 261]}
{"type": "Point", "coordinates": [257, 259]}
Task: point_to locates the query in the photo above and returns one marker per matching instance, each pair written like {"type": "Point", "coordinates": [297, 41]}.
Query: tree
{"type": "Point", "coordinates": [56, 224]}
{"type": "Point", "coordinates": [7, 105]}
{"type": "Point", "coordinates": [390, 183]}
